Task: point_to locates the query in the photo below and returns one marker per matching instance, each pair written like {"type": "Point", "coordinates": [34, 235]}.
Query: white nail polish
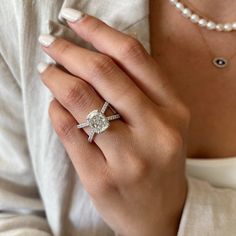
{"type": "Point", "coordinates": [42, 66]}
{"type": "Point", "coordinates": [46, 39]}
{"type": "Point", "coordinates": [72, 15]}
{"type": "Point", "coordinates": [51, 97]}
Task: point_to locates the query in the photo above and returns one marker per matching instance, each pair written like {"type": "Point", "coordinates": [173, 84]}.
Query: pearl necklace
{"type": "Point", "coordinates": [201, 21]}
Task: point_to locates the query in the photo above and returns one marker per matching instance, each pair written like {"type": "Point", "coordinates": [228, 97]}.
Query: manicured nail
{"type": "Point", "coordinates": [72, 15]}
{"type": "Point", "coordinates": [42, 66]}
{"type": "Point", "coordinates": [51, 97]}
{"type": "Point", "coordinates": [46, 39]}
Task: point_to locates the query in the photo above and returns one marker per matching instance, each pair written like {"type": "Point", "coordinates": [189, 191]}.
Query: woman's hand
{"type": "Point", "coordinates": [134, 171]}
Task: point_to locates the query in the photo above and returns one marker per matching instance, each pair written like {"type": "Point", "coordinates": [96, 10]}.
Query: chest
{"type": "Point", "coordinates": [209, 92]}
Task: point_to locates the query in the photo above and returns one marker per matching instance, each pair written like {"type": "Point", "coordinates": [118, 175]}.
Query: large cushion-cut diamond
{"type": "Point", "coordinates": [97, 121]}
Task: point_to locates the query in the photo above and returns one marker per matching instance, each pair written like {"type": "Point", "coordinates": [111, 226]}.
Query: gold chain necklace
{"type": "Point", "coordinates": [218, 61]}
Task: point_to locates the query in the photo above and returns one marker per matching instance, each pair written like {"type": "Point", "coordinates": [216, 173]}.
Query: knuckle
{"type": "Point", "coordinates": [138, 170]}
{"type": "Point", "coordinates": [62, 47]}
{"type": "Point", "coordinates": [102, 65]}
{"type": "Point", "coordinates": [93, 25]}
{"type": "Point", "coordinates": [63, 128]}
{"type": "Point", "coordinates": [77, 95]}
{"type": "Point", "coordinates": [133, 49]}
{"type": "Point", "coordinates": [62, 124]}
{"type": "Point", "coordinates": [71, 95]}
{"type": "Point", "coordinates": [173, 142]}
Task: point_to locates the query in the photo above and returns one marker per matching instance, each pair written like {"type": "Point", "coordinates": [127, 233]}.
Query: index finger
{"type": "Point", "coordinates": [126, 50]}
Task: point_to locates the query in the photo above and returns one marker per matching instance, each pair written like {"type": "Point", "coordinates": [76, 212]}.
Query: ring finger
{"type": "Point", "coordinates": [79, 98]}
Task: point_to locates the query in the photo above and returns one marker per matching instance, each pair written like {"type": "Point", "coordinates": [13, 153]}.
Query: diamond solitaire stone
{"type": "Point", "coordinates": [97, 121]}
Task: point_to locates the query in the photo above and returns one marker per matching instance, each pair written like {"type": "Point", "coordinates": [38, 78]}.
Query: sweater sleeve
{"type": "Point", "coordinates": [208, 210]}
{"type": "Point", "coordinates": [21, 210]}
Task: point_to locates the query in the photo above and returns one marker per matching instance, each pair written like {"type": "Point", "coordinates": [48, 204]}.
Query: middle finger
{"type": "Point", "coordinates": [103, 74]}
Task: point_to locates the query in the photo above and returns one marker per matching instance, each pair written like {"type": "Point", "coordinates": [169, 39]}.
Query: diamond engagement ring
{"type": "Point", "coordinates": [98, 121]}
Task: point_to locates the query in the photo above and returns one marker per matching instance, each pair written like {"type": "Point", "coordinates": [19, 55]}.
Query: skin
{"type": "Point", "coordinates": [207, 91]}
{"type": "Point", "coordinates": [120, 166]}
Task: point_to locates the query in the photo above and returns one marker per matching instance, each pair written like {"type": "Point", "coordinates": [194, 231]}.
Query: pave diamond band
{"type": "Point", "coordinates": [98, 121]}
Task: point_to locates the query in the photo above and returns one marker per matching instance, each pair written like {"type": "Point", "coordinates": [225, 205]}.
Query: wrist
{"type": "Point", "coordinates": [172, 216]}
{"type": "Point", "coordinates": [169, 218]}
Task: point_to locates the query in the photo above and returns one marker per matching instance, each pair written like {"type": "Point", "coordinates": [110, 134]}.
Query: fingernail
{"type": "Point", "coordinates": [42, 66]}
{"type": "Point", "coordinates": [51, 97]}
{"type": "Point", "coordinates": [46, 39]}
{"type": "Point", "coordinates": [72, 15]}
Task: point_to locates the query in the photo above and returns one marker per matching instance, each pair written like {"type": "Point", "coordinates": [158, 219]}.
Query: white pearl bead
{"type": "Point", "coordinates": [179, 6]}
{"type": "Point", "coordinates": [211, 25]}
{"type": "Point", "coordinates": [228, 27]}
{"type": "Point", "coordinates": [234, 26]}
{"type": "Point", "coordinates": [173, 2]}
{"type": "Point", "coordinates": [202, 22]}
{"type": "Point", "coordinates": [186, 12]}
{"type": "Point", "coordinates": [195, 18]}
{"type": "Point", "coordinates": [219, 27]}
